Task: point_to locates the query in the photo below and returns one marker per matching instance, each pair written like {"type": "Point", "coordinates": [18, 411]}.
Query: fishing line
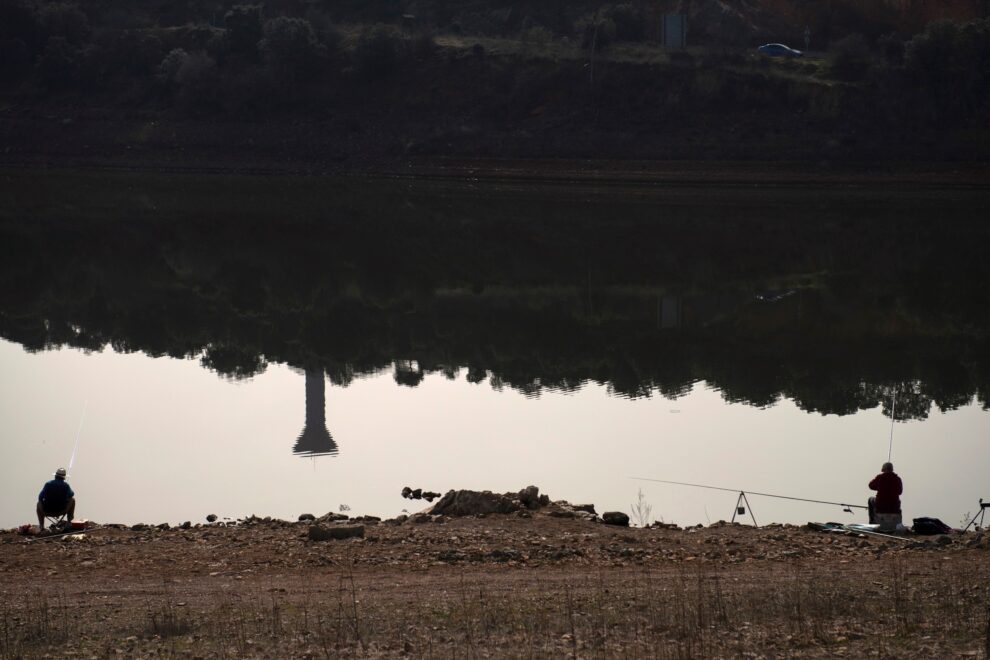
{"type": "Point", "coordinates": [893, 416]}
{"type": "Point", "coordinates": [78, 434]}
{"type": "Point", "coordinates": [750, 492]}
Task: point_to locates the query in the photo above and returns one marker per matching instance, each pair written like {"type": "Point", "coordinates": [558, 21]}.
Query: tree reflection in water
{"type": "Point", "coordinates": [315, 439]}
{"type": "Point", "coordinates": [834, 304]}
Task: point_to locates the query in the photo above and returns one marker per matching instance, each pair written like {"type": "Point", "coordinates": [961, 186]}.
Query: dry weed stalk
{"type": "Point", "coordinates": [696, 610]}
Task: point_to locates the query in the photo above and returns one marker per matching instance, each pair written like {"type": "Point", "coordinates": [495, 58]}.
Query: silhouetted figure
{"type": "Point", "coordinates": [315, 439]}
{"type": "Point", "coordinates": [888, 498]}
{"type": "Point", "coordinates": [56, 499]}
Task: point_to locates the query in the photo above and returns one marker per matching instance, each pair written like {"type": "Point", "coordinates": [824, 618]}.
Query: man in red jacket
{"type": "Point", "coordinates": [889, 488]}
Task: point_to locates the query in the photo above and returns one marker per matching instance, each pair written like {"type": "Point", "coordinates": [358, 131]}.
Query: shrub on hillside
{"type": "Point", "coordinates": [536, 37]}
{"type": "Point", "coordinates": [244, 28]}
{"type": "Point", "coordinates": [198, 81]}
{"type": "Point", "coordinates": [377, 53]}
{"type": "Point", "coordinates": [946, 70]}
{"type": "Point", "coordinates": [423, 46]}
{"type": "Point", "coordinates": [168, 70]}
{"type": "Point", "coordinates": [251, 91]}
{"type": "Point", "coordinates": [61, 63]}
{"type": "Point", "coordinates": [500, 21]}
{"type": "Point", "coordinates": [138, 52]}
{"type": "Point", "coordinates": [19, 21]}
{"type": "Point", "coordinates": [850, 58]}
{"type": "Point", "coordinates": [290, 47]}
{"type": "Point", "coordinates": [326, 32]}
{"type": "Point", "coordinates": [218, 46]}
{"type": "Point", "coordinates": [66, 21]}
{"type": "Point", "coordinates": [198, 70]}
{"type": "Point", "coordinates": [191, 77]}
{"type": "Point", "coordinates": [15, 59]}
{"type": "Point", "coordinates": [891, 47]}
{"type": "Point", "coordinates": [595, 29]}
{"type": "Point", "coordinates": [629, 22]}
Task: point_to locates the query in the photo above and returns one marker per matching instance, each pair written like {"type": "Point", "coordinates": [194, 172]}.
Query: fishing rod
{"type": "Point", "coordinates": [893, 416]}
{"type": "Point", "coordinates": [751, 492]}
{"type": "Point", "coordinates": [75, 447]}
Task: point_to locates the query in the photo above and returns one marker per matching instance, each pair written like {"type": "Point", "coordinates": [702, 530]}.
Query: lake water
{"type": "Point", "coordinates": [277, 346]}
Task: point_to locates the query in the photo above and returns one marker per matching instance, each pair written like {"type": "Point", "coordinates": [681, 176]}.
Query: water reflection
{"type": "Point", "coordinates": [670, 312]}
{"type": "Point", "coordinates": [315, 439]}
{"type": "Point", "coordinates": [531, 289]}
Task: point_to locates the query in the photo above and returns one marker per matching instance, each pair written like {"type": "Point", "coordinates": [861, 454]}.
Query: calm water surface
{"type": "Point", "coordinates": [275, 348]}
{"type": "Point", "coordinates": [164, 440]}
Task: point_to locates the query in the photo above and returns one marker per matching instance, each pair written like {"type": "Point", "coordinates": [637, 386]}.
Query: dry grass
{"type": "Point", "coordinates": [37, 621]}
{"type": "Point", "coordinates": [691, 611]}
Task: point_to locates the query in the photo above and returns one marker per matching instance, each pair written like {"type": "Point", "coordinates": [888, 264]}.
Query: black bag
{"type": "Point", "coordinates": [930, 526]}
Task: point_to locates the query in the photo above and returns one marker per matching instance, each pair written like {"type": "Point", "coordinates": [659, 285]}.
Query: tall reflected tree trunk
{"type": "Point", "coordinates": [315, 439]}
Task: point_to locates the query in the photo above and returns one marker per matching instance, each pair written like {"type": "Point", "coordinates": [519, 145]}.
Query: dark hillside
{"type": "Point", "coordinates": [347, 84]}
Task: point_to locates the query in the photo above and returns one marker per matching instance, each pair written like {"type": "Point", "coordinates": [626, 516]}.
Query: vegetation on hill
{"type": "Point", "coordinates": [490, 78]}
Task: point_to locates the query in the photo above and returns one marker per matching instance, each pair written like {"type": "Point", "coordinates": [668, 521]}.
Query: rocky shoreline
{"type": "Point", "coordinates": [524, 504]}
{"type": "Point", "coordinates": [546, 579]}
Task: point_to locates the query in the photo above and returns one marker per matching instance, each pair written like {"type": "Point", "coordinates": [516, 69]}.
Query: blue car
{"type": "Point", "coordinates": [779, 50]}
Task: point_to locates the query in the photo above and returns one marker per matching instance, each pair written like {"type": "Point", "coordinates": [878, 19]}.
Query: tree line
{"type": "Point", "coordinates": [253, 60]}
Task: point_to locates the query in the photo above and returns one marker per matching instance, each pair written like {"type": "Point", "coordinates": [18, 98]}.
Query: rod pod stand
{"type": "Point", "coordinates": [979, 514]}
{"type": "Point", "coordinates": [741, 510]}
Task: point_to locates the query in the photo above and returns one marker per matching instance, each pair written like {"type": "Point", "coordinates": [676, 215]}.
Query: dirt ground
{"type": "Point", "coordinates": [500, 585]}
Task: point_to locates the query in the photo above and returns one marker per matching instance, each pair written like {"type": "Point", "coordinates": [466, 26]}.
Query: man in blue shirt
{"type": "Point", "coordinates": [56, 499]}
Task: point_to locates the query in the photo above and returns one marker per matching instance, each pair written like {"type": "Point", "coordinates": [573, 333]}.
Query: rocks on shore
{"type": "Point", "coordinates": [564, 509]}
{"type": "Point", "coordinates": [662, 525]}
{"type": "Point", "coordinates": [335, 532]}
{"type": "Point", "coordinates": [521, 503]}
{"type": "Point", "coordinates": [529, 497]}
{"type": "Point", "coordinates": [615, 518]}
{"type": "Point", "coordinates": [332, 517]}
{"type": "Point", "coordinates": [419, 494]}
{"type": "Point", "coordinates": [473, 502]}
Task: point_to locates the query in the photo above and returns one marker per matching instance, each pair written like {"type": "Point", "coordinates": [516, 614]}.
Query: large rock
{"type": "Point", "coordinates": [419, 494]}
{"type": "Point", "coordinates": [561, 513]}
{"type": "Point", "coordinates": [321, 533]}
{"type": "Point", "coordinates": [615, 518]}
{"type": "Point", "coordinates": [332, 517]}
{"type": "Point", "coordinates": [473, 502]}
{"type": "Point", "coordinates": [530, 497]}
{"type": "Point", "coordinates": [981, 541]}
